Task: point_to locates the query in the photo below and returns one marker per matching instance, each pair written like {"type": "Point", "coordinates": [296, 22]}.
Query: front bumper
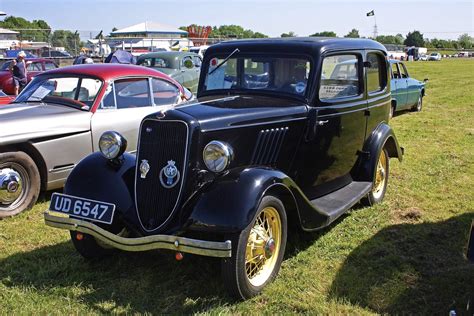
{"type": "Point", "coordinates": [176, 243]}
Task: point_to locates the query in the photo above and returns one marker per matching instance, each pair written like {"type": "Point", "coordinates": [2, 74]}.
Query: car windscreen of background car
{"type": "Point", "coordinates": [70, 91]}
{"type": "Point", "coordinates": [279, 74]}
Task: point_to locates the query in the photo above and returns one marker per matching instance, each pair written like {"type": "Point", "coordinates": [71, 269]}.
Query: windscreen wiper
{"type": "Point", "coordinates": [225, 60]}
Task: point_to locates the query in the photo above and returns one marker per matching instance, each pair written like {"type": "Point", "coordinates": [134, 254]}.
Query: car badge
{"type": "Point", "coordinates": [149, 129]}
{"type": "Point", "coordinates": [169, 175]}
{"type": "Point", "coordinates": [144, 168]}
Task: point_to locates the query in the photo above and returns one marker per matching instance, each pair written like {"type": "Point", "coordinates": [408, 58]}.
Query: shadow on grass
{"type": "Point", "coordinates": [410, 269]}
{"type": "Point", "coordinates": [152, 282]}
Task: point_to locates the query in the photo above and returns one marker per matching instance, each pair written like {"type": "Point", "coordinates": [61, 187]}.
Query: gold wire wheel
{"type": "Point", "coordinates": [263, 246]}
{"type": "Point", "coordinates": [380, 176]}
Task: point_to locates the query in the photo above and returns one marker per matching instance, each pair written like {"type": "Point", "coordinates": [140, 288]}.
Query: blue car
{"type": "Point", "coordinates": [407, 92]}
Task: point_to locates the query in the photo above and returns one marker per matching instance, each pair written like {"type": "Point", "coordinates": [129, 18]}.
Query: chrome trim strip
{"type": "Point", "coordinates": [176, 243]}
{"type": "Point", "coordinates": [255, 124]}
{"type": "Point", "coordinates": [185, 160]}
{"type": "Point", "coordinates": [64, 168]}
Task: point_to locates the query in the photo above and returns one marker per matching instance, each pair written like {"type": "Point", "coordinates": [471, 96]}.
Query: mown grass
{"type": "Point", "coordinates": [405, 255]}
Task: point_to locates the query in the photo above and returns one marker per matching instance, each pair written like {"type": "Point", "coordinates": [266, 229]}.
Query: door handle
{"type": "Point", "coordinates": [321, 123]}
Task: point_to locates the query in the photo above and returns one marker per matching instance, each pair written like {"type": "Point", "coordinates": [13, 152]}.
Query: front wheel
{"type": "Point", "coordinates": [419, 104]}
{"type": "Point", "coordinates": [19, 183]}
{"type": "Point", "coordinates": [257, 251]}
{"type": "Point", "coordinates": [379, 186]}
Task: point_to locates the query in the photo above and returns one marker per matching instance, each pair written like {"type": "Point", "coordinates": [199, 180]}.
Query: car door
{"type": "Point", "coordinates": [125, 103]}
{"type": "Point", "coordinates": [33, 68]}
{"type": "Point", "coordinates": [398, 86]}
{"type": "Point", "coordinates": [408, 91]}
{"type": "Point", "coordinates": [413, 90]}
{"type": "Point", "coordinates": [339, 118]}
{"type": "Point", "coordinates": [377, 92]}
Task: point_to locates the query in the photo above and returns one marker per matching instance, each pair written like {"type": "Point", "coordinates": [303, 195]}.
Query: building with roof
{"type": "Point", "coordinates": [8, 38]}
{"type": "Point", "coordinates": [148, 36]}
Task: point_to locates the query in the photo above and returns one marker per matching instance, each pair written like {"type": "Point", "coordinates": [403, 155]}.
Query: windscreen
{"type": "Point", "coordinates": [69, 91]}
{"type": "Point", "coordinates": [269, 73]}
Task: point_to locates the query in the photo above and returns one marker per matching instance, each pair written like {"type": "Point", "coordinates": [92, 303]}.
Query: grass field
{"type": "Point", "coordinates": [404, 256]}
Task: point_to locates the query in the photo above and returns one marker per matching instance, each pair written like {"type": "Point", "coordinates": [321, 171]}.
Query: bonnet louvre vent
{"type": "Point", "coordinates": [268, 146]}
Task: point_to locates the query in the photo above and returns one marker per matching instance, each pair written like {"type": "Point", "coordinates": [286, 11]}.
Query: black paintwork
{"type": "Point", "coordinates": [299, 160]}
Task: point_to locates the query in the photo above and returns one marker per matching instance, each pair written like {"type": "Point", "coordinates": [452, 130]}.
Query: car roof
{"type": "Point", "coordinates": [108, 71]}
{"type": "Point", "coordinates": [168, 54]}
{"type": "Point", "coordinates": [309, 45]}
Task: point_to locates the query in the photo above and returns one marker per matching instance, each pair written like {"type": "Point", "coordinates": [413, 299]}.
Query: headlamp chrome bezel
{"type": "Point", "coordinates": [227, 155]}
{"type": "Point", "coordinates": [109, 139]}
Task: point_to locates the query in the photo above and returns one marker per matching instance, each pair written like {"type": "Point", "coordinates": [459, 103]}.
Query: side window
{"type": "Point", "coordinates": [147, 62]}
{"type": "Point", "coordinates": [34, 67]}
{"type": "Point", "coordinates": [132, 93]}
{"type": "Point", "coordinates": [395, 72]}
{"type": "Point", "coordinates": [376, 72]}
{"type": "Point", "coordinates": [403, 71]}
{"type": "Point", "coordinates": [108, 100]}
{"type": "Point", "coordinates": [164, 92]}
{"type": "Point", "coordinates": [339, 77]}
{"type": "Point", "coordinates": [49, 66]}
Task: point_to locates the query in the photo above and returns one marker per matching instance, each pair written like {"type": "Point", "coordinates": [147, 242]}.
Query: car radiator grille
{"type": "Point", "coordinates": [160, 143]}
{"type": "Point", "coordinates": [268, 146]}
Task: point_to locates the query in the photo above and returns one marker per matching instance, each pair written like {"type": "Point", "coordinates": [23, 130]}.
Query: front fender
{"type": "Point", "coordinates": [230, 203]}
{"type": "Point", "coordinates": [98, 179]}
{"type": "Point", "coordinates": [382, 137]}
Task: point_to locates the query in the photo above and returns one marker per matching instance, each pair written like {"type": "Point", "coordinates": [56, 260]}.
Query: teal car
{"type": "Point", "coordinates": [183, 67]}
{"type": "Point", "coordinates": [407, 92]}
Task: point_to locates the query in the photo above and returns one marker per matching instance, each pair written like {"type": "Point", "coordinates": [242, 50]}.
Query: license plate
{"type": "Point", "coordinates": [96, 211]}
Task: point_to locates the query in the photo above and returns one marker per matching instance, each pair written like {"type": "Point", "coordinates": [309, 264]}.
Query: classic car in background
{"type": "Point", "coordinates": [236, 167]}
{"type": "Point", "coordinates": [5, 99]}
{"type": "Point", "coordinates": [58, 118]}
{"type": "Point", "coordinates": [183, 67]}
{"type": "Point", "coordinates": [407, 92]}
{"type": "Point", "coordinates": [200, 50]}
{"type": "Point", "coordinates": [34, 66]}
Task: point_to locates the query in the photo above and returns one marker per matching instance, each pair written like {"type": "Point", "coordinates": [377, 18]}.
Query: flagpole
{"type": "Point", "coordinates": [375, 27]}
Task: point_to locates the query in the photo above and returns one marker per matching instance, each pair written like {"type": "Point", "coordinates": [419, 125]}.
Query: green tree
{"type": "Point", "coordinates": [67, 39]}
{"type": "Point", "coordinates": [325, 34]}
{"type": "Point", "coordinates": [289, 34]}
{"type": "Point", "coordinates": [38, 30]}
{"type": "Point", "coordinates": [389, 39]}
{"type": "Point", "coordinates": [354, 33]}
{"type": "Point", "coordinates": [414, 38]}
{"type": "Point", "coordinates": [465, 41]}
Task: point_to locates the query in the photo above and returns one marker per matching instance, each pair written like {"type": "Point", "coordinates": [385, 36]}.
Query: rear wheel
{"type": "Point", "coordinates": [19, 183]}
{"type": "Point", "coordinates": [379, 186]}
{"type": "Point", "coordinates": [257, 251]}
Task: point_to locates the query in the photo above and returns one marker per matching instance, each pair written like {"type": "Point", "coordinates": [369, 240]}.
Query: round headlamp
{"type": "Point", "coordinates": [112, 144]}
{"type": "Point", "coordinates": [217, 156]}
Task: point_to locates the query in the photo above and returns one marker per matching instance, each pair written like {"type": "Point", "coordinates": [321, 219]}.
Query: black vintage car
{"type": "Point", "coordinates": [278, 137]}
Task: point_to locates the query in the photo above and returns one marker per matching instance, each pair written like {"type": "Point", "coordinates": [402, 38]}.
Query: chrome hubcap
{"type": "Point", "coordinates": [12, 185]}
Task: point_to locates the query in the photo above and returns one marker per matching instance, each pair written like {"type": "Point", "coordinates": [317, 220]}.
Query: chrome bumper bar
{"type": "Point", "coordinates": [176, 243]}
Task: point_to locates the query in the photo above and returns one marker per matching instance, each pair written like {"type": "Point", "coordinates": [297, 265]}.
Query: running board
{"type": "Point", "coordinates": [338, 202]}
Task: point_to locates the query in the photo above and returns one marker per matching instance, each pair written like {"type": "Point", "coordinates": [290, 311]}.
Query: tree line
{"type": "Point", "coordinates": [40, 31]}
{"type": "Point", "coordinates": [414, 38]}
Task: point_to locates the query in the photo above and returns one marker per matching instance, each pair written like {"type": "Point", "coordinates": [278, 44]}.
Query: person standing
{"type": "Point", "coordinates": [19, 75]}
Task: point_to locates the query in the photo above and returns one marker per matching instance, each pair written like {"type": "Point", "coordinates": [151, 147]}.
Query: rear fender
{"type": "Point", "coordinates": [381, 138]}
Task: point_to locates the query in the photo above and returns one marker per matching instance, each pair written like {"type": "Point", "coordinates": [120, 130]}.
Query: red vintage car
{"type": "Point", "coordinates": [34, 66]}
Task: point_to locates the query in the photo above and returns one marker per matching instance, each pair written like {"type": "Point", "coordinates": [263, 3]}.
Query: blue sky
{"type": "Point", "coordinates": [441, 19]}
